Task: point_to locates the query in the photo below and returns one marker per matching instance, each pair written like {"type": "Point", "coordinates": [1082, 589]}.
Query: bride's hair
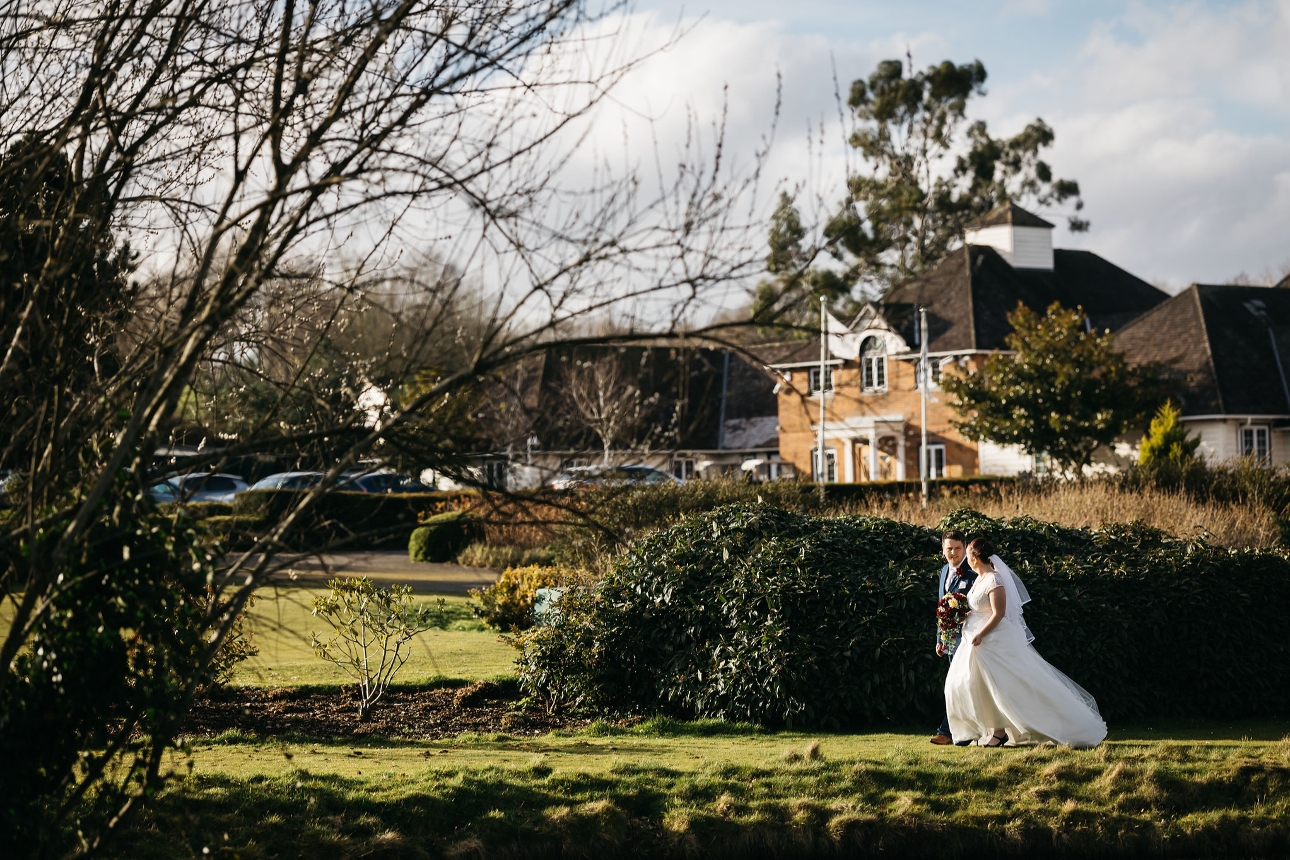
{"type": "Point", "coordinates": [982, 549]}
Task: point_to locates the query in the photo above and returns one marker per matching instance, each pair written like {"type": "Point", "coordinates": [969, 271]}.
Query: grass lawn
{"type": "Point", "coordinates": [280, 622]}
{"type": "Point", "coordinates": [668, 789]}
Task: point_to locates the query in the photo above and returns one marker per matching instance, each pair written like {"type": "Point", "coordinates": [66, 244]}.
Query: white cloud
{"type": "Point", "coordinates": [1174, 119]}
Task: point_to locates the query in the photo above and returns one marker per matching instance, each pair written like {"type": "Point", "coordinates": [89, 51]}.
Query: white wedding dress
{"type": "Point", "coordinates": [1003, 683]}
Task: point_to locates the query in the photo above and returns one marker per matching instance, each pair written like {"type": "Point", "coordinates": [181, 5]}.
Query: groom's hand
{"type": "Point", "coordinates": [940, 650]}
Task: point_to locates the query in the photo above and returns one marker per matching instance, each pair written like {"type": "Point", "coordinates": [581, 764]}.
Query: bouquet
{"type": "Point", "coordinates": [951, 611]}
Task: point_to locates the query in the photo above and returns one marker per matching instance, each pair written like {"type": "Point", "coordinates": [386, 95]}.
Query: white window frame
{"type": "Point", "coordinates": [937, 366]}
{"type": "Point", "coordinates": [873, 372]}
{"type": "Point", "coordinates": [1255, 440]}
{"type": "Point", "coordinates": [683, 468]}
{"type": "Point", "coordinates": [831, 455]}
{"type": "Point", "coordinates": [813, 379]}
{"type": "Point", "coordinates": [935, 461]}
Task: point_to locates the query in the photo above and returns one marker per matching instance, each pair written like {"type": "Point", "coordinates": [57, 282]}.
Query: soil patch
{"type": "Point", "coordinates": [401, 713]}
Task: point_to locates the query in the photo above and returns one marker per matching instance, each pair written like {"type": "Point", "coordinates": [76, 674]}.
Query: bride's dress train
{"type": "Point", "coordinates": [1004, 683]}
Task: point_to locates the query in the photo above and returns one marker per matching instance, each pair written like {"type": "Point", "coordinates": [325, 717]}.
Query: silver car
{"type": "Point", "coordinates": [203, 487]}
{"type": "Point", "coordinates": [290, 481]}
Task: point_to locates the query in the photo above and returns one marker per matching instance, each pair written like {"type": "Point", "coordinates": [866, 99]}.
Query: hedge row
{"type": "Point", "coordinates": [336, 519]}
{"type": "Point", "coordinates": [750, 612]}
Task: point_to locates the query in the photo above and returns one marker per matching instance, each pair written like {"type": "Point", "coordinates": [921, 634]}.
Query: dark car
{"type": "Point", "coordinates": [382, 482]}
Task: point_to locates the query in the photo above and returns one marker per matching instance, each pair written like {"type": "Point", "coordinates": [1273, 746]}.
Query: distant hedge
{"type": "Point", "coordinates": [443, 536]}
{"type": "Point", "coordinates": [751, 612]}
{"type": "Point", "coordinates": [348, 520]}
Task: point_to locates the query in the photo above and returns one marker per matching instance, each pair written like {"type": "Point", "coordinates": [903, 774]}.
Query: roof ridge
{"type": "Point", "coordinates": [971, 315]}
{"type": "Point", "coordinates": [1209, 350]}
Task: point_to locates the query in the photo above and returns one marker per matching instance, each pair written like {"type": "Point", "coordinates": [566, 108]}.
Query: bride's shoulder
{"type": "Point", "coordinates": [988, 581]}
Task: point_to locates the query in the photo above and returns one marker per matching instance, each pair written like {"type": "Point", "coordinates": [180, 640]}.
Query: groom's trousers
{"type": "Point", "coordinates": [945, 720]}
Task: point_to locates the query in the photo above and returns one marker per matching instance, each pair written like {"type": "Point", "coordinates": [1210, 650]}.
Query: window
{"type": "Point", "coordinates": [936, 461]}
{"type": "Point", "coordinates": [936, 365]}
{"type": "Point", "coordinates": [1254, 443]}
{"type": "Point", "coordinates": [832, 457]}
{"type": "Point", "coordinates": [495, 474]}
{"type": "Point", "coordinates": [873, 360]}
{"type": "Point", "coordinates": [683, 468]}
{"type": "Point", "coordinates": [815, 379]}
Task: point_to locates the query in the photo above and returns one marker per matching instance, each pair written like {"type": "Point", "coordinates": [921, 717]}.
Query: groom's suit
{"type": "Point", "coordinates": [953, 579]}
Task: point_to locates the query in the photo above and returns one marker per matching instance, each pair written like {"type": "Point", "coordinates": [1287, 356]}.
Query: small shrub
{"type": "Point", "coordinates": [442, 536]}
{"type": "Point", "coordinates": [238, 645]}
{"type": "Point", "coordinates": [371, 628]}
{"type": "Point", "coordinates": [508, 603]}
{"type": "Point", "coordinates": [501, 557]}
{"type": "Point", "coordinates": [1168, 440]}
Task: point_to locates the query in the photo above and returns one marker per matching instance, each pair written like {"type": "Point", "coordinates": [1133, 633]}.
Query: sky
{"type": "Point", "coordinates": [1173, 117]}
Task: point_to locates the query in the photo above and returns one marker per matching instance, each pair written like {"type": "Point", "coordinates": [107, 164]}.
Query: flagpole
{"type": "Point", "coordinates": [822, 464]}
{"type": "Point", "coordinates": [922, 389]}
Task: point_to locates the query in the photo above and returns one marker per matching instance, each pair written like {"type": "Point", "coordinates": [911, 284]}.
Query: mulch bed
{"type": "Point", "coordinates": [482, 707]}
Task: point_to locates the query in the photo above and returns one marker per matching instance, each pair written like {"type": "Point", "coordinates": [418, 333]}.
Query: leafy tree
{"type": "Point", "coordinates": [927, 172]}
{"type": "Point", "coordinates": [1063, 392]}
{"type": "Point", "coordinates": [1167, 440]}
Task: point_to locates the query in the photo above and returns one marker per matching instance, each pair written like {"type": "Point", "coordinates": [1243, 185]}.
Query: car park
{"type": "Point", "coordinates": [585, 477]}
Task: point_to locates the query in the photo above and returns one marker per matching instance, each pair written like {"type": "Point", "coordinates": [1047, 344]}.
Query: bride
{"type": "Point", "coordinates": [999, 688]}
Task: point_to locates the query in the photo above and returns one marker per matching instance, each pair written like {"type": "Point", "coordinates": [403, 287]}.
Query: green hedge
{"type": "Point", "coordinates": [443, 536]}
{"type": "Point", "coordinates": [343, 520]}
{"type": "Point", "coordinates": [755, 613]}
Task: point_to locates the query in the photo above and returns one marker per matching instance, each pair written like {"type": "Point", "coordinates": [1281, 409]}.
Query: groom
{"type": "Point", "coordinates": [956, 575]}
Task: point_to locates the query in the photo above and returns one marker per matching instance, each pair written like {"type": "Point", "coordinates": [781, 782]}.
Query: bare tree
{"type": "Point", "coordinates": [605, 395]}
{"type": "Point", "coordinates": [200, 194]}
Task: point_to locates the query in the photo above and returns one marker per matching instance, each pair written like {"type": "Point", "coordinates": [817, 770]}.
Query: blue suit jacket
{"type": "Point", "coordinates": [960, 579]}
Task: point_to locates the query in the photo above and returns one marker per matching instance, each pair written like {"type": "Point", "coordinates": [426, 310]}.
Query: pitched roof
{"type": "Point", "coordinates": [1223, 343]}
{"type": "Point", "coordinates": [970, 293]}
{"type": "Point", "coordinates": [1008, 213]}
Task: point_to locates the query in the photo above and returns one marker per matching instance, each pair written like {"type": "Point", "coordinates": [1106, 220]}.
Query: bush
{"type": "Point", "coordinates": [371, 630]}
{"type": "Point", "coordinates": [508, 603]}
{"type": "Point", "coordinates": [501, 557]}
{"type": "Point", "coordinates": [760, 614]}
{"type": "Point", "coordinates": [443, 536]}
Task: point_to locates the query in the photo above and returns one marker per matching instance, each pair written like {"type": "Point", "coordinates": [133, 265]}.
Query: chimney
{"type": "Point", "coordinates": [1022, 238]}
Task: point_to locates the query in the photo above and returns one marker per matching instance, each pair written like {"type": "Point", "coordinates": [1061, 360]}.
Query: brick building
{"type": "Point", "coordinates": [871, 399]}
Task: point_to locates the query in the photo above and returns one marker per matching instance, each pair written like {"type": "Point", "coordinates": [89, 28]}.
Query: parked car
{"type": "Point", "coordinates": [290, 481]}
{"type": "Point", "coordinates": [382, 482]}
{"type": "Point", "coordinates": [583, 477]}
{"type": "Point", "coordinates": [201, 487]}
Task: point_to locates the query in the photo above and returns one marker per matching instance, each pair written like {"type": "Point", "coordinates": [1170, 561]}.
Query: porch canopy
{"type": "Point", "coordinates": [868, 430]}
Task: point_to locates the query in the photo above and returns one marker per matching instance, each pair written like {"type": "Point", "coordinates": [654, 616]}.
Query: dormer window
{"type": "Point", "coordinates": [873, 360]}
{"type": "Point", "coordinates": [815, 379]}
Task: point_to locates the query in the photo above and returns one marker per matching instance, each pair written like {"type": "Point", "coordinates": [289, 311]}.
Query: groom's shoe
{"type": "Point", "coordinates": [942, 740]}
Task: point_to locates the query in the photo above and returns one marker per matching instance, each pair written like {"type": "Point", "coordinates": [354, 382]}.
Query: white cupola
{"type": "Point", "coordinates": [1022, 238]}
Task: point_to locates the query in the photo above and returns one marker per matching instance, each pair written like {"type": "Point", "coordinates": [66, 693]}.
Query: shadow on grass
{"type": "Point", "coordinates": [1176, 800]}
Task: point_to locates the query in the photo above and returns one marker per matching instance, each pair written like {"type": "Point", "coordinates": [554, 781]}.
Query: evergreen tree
{"type": "Point", "coordinates": [1167, 440]}
{"type": "Point", "coordinates": [927, 172]}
